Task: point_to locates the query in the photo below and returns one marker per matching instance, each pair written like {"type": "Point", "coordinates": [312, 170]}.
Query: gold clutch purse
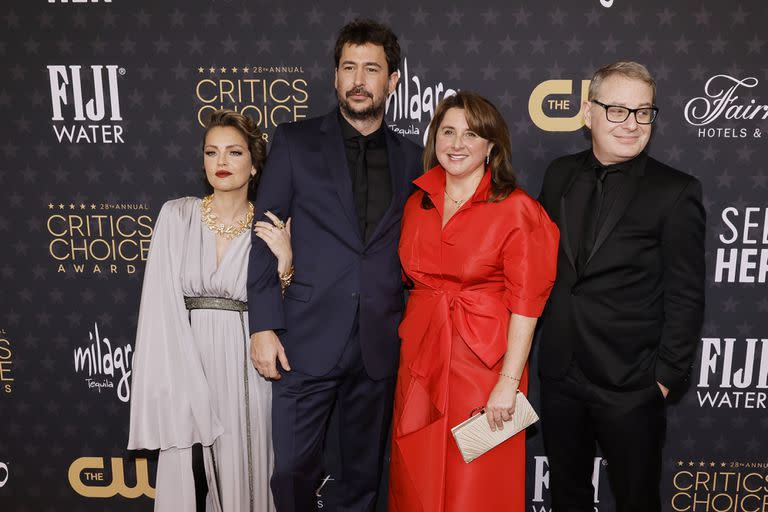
{"type": "Point", "coordinates": [474, 437]}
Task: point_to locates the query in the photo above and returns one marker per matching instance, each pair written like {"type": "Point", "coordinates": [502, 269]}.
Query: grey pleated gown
{"type": "Point", "coordinates": [193, 381]}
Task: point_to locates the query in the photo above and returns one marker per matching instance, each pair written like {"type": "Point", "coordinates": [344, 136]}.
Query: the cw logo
{"type": "Point", "coordinates": [89, 470]}
{"type": "Point", "coordinates": [556, 87]}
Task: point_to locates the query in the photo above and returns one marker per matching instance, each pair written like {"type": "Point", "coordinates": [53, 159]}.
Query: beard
{"type": "Point", "coordinates": [375, 110]}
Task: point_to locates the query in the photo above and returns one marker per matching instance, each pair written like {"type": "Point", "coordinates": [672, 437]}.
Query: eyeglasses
{"type": "Point", "coordinates": [619, 114]}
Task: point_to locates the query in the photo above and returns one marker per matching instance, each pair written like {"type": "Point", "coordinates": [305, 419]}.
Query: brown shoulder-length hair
{"type": "Point", "coordinates": [485, 120]}
{"type": "Point", "coordinates": [257, 146]}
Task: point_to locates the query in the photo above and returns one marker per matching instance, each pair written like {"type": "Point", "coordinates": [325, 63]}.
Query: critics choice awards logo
{"type": "Point", "coordinates": [6, 365]}
{"type": "Point", "coordinates": [723, 103]}
{"type": "Point", "coordinates": [103, 364]}
{"type": "Point", "coordinates": [411, 107]}
{"type": "Point", "coordinates": [270, 95]}
{"type": "Point", "coordinates": [85, 103]}
{"type": "Point", "coordinates": [88, 477]}
{"type": "Point", "coordinates": [98, 238]}
{"type": "Point", "coordinates": [701, 486]}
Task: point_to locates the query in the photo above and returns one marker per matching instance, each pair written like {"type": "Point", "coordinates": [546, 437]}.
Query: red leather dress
{"type": "Point", "coordinates": [490, 260]}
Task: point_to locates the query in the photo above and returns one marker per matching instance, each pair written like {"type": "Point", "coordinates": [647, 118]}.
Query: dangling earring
{"type": "Point", "coordinates": [487, 158]}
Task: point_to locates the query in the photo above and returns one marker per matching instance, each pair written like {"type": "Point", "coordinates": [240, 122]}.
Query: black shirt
{"type": "Point", "coordinates": [370, 209]}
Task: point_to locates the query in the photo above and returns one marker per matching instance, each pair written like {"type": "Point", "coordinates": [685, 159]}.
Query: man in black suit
{"type": "Point", "coordinates": [343, 179]}
{"type": "Point", "coordinates": [623, 320]}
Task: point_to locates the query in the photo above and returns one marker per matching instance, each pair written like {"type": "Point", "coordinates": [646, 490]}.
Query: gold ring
{"type": "Point", "coordinates": [279, 224]}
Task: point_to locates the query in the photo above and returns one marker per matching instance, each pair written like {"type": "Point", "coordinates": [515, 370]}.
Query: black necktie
{"type": "Point", "coordinates": [592, 216]}
{"type": "Point", "coordinates": [360, 183]}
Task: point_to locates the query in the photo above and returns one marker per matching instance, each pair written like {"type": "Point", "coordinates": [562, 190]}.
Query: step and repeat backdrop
{"type": "Point", "coordinates": [101, 105]}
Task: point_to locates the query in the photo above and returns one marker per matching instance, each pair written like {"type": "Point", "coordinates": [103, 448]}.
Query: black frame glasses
{"type": "Point", "coordinates": [619, 108]}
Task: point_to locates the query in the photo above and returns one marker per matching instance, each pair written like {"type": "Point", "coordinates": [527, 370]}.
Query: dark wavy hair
{"type": "Point", "coordinates": [257, 146]}
{"type": "Point", "coordinates": [363, 31]}
{"type": "Point", "coordinates": [485, 120]}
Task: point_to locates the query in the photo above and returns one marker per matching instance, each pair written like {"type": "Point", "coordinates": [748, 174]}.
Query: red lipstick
{"type": "Point", "coordinates": [223, 174]}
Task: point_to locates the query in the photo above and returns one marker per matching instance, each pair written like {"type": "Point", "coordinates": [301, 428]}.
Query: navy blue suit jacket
{"type": "Point", "coordinates": [306, 177]}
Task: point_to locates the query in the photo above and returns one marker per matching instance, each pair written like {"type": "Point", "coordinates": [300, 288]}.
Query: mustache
{"type": "Point", "coordinates": [358, 91]}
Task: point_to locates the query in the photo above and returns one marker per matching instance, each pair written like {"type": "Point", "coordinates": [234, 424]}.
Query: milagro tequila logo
{"type": "Point", "coordinates": [411, 107]}
{"type": "Point", "coordinates": [722, 101]}
{"type": "Point", "coordinates": [79, 110]}
{"type": "Point", "coordinates": [105, 363]}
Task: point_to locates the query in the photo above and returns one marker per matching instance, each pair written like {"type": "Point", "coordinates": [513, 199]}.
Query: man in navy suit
{"type": "Point", "coordinates": [343, 179]}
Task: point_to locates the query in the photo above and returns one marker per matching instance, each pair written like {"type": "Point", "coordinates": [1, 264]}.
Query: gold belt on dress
{"type": "Point", "coordinates": [215, 303]}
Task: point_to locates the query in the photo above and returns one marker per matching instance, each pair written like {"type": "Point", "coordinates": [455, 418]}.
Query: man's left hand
{"type": "Point", "coordinates": [664, 389]}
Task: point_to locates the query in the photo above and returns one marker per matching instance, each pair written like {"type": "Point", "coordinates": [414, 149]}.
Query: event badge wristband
{"type": "Point", "coordinates": [474, 436]}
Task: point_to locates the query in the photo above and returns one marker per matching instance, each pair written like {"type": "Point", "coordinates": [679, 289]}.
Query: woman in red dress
{"type": "Point", "coordinates": [480, 254]}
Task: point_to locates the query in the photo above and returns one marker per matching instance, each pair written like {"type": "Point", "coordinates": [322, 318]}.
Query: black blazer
{"type": "Point", "coordinates": [633, 317]}
{"type": "Point", "coordinates": [306, 178]}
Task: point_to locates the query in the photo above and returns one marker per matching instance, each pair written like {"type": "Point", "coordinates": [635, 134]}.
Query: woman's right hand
{"type": "Point", "coordinates": [277, 236]}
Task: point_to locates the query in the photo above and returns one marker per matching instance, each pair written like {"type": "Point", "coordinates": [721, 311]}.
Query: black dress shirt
{"type": "Point", "coordinates": [371, 208]}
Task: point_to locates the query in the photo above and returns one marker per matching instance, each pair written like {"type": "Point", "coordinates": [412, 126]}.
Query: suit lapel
{"type": "Point", "coordinates": [565, 231]}
{"type": "Point", "coordinates": [335, 158]}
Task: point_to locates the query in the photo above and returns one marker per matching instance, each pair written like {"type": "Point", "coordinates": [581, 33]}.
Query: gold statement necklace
{"type": "Point", "coordinates": [228, 232]}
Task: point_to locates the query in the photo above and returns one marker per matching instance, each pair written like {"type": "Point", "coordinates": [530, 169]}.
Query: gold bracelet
{"type": "Point", "coordinates": [509, 377]}
{"type": "Point", "coordinates": [286, 279]}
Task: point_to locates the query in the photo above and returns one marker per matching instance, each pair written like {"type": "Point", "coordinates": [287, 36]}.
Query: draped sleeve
{"type": "Point", "coordinates": [170, 402]}
{"type": "Point", "coordinates": [529, 258]}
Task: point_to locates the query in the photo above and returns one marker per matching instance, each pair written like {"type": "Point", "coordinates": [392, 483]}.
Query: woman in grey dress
{"type": "Point", "coordinates": [195, 395]}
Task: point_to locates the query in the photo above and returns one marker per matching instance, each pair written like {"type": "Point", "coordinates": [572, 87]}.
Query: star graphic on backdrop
{"type": "Point", "coordinates": [489, 71]}
{"type": "Point", "coordinates": [436, 44]}
{"type": "Point", "coordinates": [490, 16]}
{"type": "Point", "coordinates": [177, 18]}
{"type": "Point", "coordinates": [454, 71]}
{"type": "Point", "coordinates": [314, 16]}
{"type": "Point", "coordinates": [521, 16]}
{"type": "Point", "coordinates": [161, 45]}
{"type": "Point", "coordinates": [210, 17]}
{"type": "Point", "coordinates": [349, 15]}
{"type": "Point", "coordinates": [755, 45]}
{"type": "Point", "coordinates": [739, 16]}
{"type": "Point", "coordinates": [538, 45]}
{"type": "Point", "coordinates": [718, 44]}
{"type": "Point", "coordinates": [665, 16]}
{"type": "Point", "coordinates": [682, 44]}
{"type": "Point", "coordinates": [298, 44]}
{"type": "Point", "coordinates": [698, 72]}
{"type": "Point", "coordinates": [143, 18]}
{"type": "Point", "coordinates": [610, 44]}
{"type": "Point", "coordinates": [557, 16]}
{"type": "Point", "coordinates": [593, 17]}
{"type": "Point", "coordinates": [454, 16]}
{"type": "Point", "coordinates": [420, 16]}
{"type": "Point", "coordinates": [264, 45]}
{"type": "Point", "coordinates": [630, 16]}
{"type": "Point", "coordinates": [229, 45]}
{"type": "Point", "coordinates": [195, 45]}
{"type": "Point", "coordinates": [507, 45]}
{"type": "Point", "coordinates": [245, 16]}
{"type": "Point", "coordinates": [472, 44]}
{"type": "Point", "coordinates": [702, 17]}
{"type": "Point", "coordinates": [646, 44]}
{"type": "Point", "coordinates": [574, 44]}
